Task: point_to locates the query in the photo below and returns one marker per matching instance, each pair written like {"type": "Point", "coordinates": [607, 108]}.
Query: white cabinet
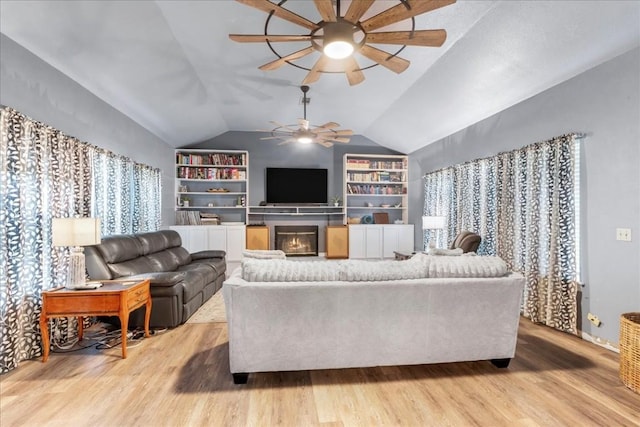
{"type": "Point", "coordinates": [397, 238]}
{"type": "Point", "coordinates": [228, 238]}
{"type": "Point", "coordinates": [379, 240]}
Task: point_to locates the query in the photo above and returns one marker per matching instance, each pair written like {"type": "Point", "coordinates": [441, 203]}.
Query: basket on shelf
{"type": "Point", "coordinates": [630, 350]}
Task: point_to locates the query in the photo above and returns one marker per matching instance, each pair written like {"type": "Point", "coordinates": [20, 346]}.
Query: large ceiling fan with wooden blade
{"type": "Point", "coordinates": [338, 36]}
{"type": "Point", "coordinates": [306, 133]}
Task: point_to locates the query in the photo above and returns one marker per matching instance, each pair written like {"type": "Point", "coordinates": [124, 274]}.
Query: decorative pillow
{"type": "Point", "coordinates": [370, 271]}
{"type": "Point", "coordinates": [282, 270]}
{"type": "Point", "coordinates": [263, 254]}
{"type": "Point", "coordinates": [449, 252]}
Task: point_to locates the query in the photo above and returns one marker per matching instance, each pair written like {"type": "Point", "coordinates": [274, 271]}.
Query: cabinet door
{"type": "Point", "coordinates": [390, 236]}
{"type": "Point", "coordinates": [373, 242]}
{"type": "Point", "coordinates": [217, 237]}
{"type": "Point", "coordinates": [405, 238]}
{"type": "Point", "coordinates": [357, 242]}
{"type": "Point", "coordinates": [337, 241]}
{"type": "Point", "coordinates": [236, 237]}
{"type": "Point", "coordinates": [258, 237]}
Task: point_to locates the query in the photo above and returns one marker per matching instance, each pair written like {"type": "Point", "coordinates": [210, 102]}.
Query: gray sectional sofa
{"type": "Point", "coordinates": [180, 282]}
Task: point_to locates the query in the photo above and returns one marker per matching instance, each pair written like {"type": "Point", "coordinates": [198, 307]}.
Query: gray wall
{"type": "Point", "coordinates": [604, 103]}
{"type": "Point", "coordinates": [36, 89]}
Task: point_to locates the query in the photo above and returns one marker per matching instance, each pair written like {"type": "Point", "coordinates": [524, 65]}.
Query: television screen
{"type": "Point", "coordinates": [296, 186]}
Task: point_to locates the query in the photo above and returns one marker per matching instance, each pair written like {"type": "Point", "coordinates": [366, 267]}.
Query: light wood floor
{"type": "Point", "coordinates": [181, 378]}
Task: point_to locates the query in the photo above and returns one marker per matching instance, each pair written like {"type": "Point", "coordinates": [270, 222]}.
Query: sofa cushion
{"type": "Point", "coordinates": [194, 282]}
{"type": "Point", "coordinates": [131, 267]}
{"type": "Point", "coordinates": [219, 265]}
{"type": "Point", "coordinates": [173, 238]}
{"type": "Point", "coordinates": [152, 242]}
{"type": "Point", "coordinates": [181, 254]}
{"type": "Point", "coordinates": [116, 249]}
{"type": "Point", "coordinates": [209, 272]}
{"type": "Point", "coordinates": [163, 261]}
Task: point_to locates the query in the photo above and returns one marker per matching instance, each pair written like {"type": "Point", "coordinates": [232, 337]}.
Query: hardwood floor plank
{"type": "Point", "coordinates": [181, 378]}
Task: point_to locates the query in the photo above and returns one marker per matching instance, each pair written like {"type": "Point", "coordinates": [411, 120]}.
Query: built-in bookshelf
{"type": "Point", "coordinates": [376, 183]}
{"type": "Point", "coordinates": [211, 187]}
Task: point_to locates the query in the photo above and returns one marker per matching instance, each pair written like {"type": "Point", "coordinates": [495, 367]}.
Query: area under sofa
{"type": "Point", "coordinates": [180, 282]}
{"type": "Point", "coordinates": [302, 325]}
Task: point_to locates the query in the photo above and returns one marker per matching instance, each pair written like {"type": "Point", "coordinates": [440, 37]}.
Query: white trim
{"type": "Point", "coordinates": [600, 342]}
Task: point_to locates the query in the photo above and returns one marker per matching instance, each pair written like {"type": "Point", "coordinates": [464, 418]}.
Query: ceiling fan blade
{"type": "Point", "coordinates": [303, 123]}
{"type": "Point", "coordinates": [393, 63]}
{"type": "Point", "coordinates": [400, 13]}
{"type": "Point", "coordinates": [416, 38]}
{"type": "Point", "coordinates": [270, 137]}
{"type": "Point", "coordinates": [332, 133]}
{"type": "Point", "coordinates": [327, 12]}
{"type": "Point", "coordinates": [325, 144]}
{"type": "Point", "coordinates": [280, 12]}
{"type": "Point", "coordinates": [259, 38]}
{"type": "Point", "coordinates": [273, 65]}
{"type": "Point", "coordinates": [342, 140]}
{"type": "Point", "coordinates": [287, 141]}
{"type": "Point", "coordinates": [353, 71]}
{"type": "Point", "coordinates": [314, 74]}
{"type": "Point", "coordinates": [328, 125]}
{"type": "Point", "coordinates": [357, 9]}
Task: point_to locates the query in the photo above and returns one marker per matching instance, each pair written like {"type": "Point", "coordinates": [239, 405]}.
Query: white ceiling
{"type": "Point", "coordinates": [170, 66]}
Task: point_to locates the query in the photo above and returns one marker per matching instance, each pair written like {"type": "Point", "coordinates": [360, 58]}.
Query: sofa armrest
{"type": "Point", "coordinates": [208, 254]}
{"type": "Point", "coordinates": [168, 278]}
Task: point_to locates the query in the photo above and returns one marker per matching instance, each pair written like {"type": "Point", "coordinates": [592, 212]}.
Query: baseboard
{"type": "Point", "coordinates": [600, 342]}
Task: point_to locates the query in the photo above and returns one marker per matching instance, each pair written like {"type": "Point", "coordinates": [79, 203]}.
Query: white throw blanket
{"type": "Point", "coordinates": [418, 266]}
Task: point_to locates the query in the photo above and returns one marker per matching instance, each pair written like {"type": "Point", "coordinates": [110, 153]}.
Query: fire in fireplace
{"type": "Point", "coordinates": [297, 240]}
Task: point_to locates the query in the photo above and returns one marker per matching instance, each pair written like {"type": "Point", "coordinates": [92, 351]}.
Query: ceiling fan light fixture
{"type": "Point", "coordinates": [338, 40]}
{"type": "Point", "coordinates": [305, 139]}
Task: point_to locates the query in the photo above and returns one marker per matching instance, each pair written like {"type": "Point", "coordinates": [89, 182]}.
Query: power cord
{"type": "Point", "coordinates": [102, 339]}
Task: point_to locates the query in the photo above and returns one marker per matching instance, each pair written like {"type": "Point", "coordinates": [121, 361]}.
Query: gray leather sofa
{"type": "Point", "coordinates": [180, 282]}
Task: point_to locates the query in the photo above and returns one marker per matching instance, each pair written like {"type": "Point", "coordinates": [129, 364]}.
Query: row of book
{"type": "Point", "coordinates": [188, 218]}
{"type": "Point", "coordinates": [376, 176]}
{"type": "Point", "coordinates": [374, 189]}
{"type": "Point", "coordinates": [211, 173]}
{"type": "Point", "coordinates": [212, 159]}
{"type": "Point", "coordinates": [375, 164]}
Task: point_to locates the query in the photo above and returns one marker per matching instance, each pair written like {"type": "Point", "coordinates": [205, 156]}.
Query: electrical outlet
{"type": "Point", "coordinates": [594, 319]}
{"type": "Point", "coordinates": [623, 234]}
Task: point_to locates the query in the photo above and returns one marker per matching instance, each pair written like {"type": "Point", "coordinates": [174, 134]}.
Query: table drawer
{"type": "Point", "coordinates": [83, 304]}
{"type": "Point", "coordinates": [137, 297]}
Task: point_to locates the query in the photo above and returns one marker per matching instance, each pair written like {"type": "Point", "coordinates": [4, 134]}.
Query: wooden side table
{"type": "Point", "coordinates": [113, 298]}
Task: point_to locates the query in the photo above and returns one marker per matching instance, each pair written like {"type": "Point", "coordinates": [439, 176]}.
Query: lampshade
{"type": "Point", "coordinates": [76, 231]}
{"type": "Point", "coordinates": [433, 222]}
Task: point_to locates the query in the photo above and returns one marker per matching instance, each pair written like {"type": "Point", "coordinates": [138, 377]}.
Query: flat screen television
{"type": "Point", "coordinates": [296, 186]}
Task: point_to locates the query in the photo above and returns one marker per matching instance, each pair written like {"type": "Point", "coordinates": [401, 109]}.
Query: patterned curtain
{"type": "Point", "coordinates": [46, 174]}
{"type": "Point", "coordinates": [523, 204]}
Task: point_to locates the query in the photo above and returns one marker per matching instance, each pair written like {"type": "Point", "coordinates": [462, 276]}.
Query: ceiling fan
{"type": "Point", "coordinates": [338, 36]}
{"type": "Point", "coordinates": [307, 133]}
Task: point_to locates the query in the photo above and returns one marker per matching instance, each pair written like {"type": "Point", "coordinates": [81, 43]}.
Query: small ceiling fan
{"type": "Point", "coordinates": [307, 133]}
{"type": "Point", "coordinates": [337, 36]}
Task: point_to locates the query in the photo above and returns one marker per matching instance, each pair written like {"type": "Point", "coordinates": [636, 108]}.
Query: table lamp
{"type": "Point", "coordinates": [76, 233]}
{"type": "Point", "coordinates": [433, 223]}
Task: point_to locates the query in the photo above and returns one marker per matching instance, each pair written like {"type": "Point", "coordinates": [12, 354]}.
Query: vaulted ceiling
{"type": "Point", "coordinates": [171, 67]}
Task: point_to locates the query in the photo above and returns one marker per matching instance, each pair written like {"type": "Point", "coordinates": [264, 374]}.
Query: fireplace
{"type": "Point", "coordinates": [297, 240]}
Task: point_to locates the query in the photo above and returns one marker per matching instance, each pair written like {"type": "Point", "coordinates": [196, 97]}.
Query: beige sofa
{"type": "Point", "coordinates": [333, 323]}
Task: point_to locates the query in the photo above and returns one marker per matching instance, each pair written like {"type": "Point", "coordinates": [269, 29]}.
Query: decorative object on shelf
{"type": "Point", "coordinates": [433, 223]}
{"type": "Point", "coordinates": [183, 189]}
{"type": "Point", "coordinates": [398, 205]}
{"type": "Point", "coordinates": [185, 201]}
{"type": "Point", "coordinates": [368, 204]}
{"type": "Point", "coordinates": [385, 205]}
{"type": "Point", "coordinates": [381, 218]}
{"type": "Point", "coordinates": [307, 133]}
{"type": "Point", "coordinates": [217, 190]}
{"type": "Point", "coordinates": [355, 220]}
{"type": "Point", "coordinates": [338, 35]}
{"type": "Point", "coordinates": [367, 219]}
{"type": "Point", "coordinates": [335, 200]}
{"type": "Point", "coordinates": [76, 233]}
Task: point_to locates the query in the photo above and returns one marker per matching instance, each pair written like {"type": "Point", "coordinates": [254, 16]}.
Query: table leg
{"type": "Point", "coordinates": [124, 323]}
{"type": "Point", "coordinates": [80, 328]}
{"type": "Point", "coordinates": [44, 333]}
{"type": "Point", "coordinates": [147, 317]}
